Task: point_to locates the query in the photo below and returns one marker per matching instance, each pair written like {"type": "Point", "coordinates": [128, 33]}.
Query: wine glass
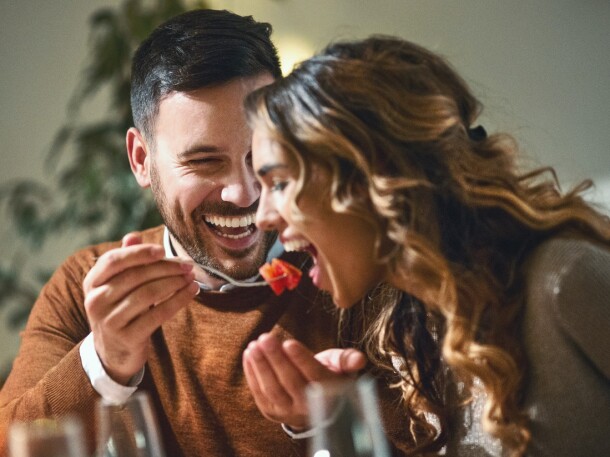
{"type": "Point", "coordinates": [345, 420]}
{"type": "Point", "coordinates": [47, 438]}
{"type": "Point", "coordinates": [128, 429]}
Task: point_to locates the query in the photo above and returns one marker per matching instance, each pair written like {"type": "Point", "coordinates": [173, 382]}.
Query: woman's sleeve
{"type": "Point", "coordinates": [582, 303]}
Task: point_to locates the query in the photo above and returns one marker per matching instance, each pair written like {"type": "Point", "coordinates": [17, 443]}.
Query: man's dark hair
{"type": "Point", "coordinates": [196, 49]}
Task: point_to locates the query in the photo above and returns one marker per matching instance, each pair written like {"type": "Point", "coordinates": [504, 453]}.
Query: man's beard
{"type": "Point", "coordinates": [184, 229]}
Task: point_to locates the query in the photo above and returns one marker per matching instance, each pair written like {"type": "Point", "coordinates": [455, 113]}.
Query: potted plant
{"type": "Point", "coordinates": [92, 192]}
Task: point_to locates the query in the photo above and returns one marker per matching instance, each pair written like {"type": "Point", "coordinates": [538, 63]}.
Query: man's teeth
{"type": "Point", "coordinates": [221, 221]}
{"type": "Point", "coordinates": [246, 233]}
{"type": "Point", "coordinates": [295, 245]}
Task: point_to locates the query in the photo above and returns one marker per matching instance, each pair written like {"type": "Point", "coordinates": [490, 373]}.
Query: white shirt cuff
{"type": "Point", "coordinates": [299, 435]}
{"type": "Point", "coordinates": [103, 384]}
{"type": "Point", "coordinates": [312, 431]}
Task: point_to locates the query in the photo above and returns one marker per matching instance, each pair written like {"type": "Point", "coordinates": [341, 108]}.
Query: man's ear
{"type": "Point", "coordinates": [139, 156]}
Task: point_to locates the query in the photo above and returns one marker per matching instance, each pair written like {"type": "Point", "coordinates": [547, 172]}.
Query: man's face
{"type": "Point", "coordinates": [202, 178]}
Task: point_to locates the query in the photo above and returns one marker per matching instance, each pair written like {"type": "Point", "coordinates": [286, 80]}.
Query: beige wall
{"type": "Point", "coordinates": [541, 68]}
{"type": "Point", "coordinates": [43, 44]}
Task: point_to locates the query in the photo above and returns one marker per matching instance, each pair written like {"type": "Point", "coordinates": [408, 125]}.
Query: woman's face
{"type": "Point", "coordinates": [342, 245]}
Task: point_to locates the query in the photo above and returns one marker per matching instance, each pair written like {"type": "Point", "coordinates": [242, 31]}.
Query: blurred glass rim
{"type": "Point", "coordinates": [63, 435]}
{"type": "Point", "coordinates": [326, 399]}
{"type": "Point", "coordinates": [361, 385]}
{"type": "Point", "coordinates": [40, 428]}
{"type": "Point", "coordinates": [140, 396]}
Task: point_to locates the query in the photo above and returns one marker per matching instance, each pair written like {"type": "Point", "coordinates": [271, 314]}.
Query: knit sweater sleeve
{"type": "Point", "coordinates": [566, 338]}
{"type": "Point", "coordinates": [47, 379]}
{"type": "Point", "coordinates": [580, 299]}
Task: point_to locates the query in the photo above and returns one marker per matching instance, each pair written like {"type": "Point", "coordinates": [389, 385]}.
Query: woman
{"type": "Point", "coordinates": [478, 291]}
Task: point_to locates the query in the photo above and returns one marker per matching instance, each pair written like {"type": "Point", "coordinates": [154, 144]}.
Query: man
{"type": "Point", "coordinates": [119, 317]}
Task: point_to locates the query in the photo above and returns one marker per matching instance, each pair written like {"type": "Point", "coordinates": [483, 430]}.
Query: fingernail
{"type": "Point", "coordinates": [194, 288]}
{"type": "Point", "coordinates": [255, 353]}
{"type": "Point", "coordinates": [354, 357]}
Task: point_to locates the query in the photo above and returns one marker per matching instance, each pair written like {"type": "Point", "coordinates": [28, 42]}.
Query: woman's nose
{"type": "Point", "coordinates": [267, 216]}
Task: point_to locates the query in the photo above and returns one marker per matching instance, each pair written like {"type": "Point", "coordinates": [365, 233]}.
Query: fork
{"type": "Point", "coordinates": [220, 274]}
{"type": "Point", "coordinates": [237, 282]}
{"type": "Point", "coordinates": [226, 277]}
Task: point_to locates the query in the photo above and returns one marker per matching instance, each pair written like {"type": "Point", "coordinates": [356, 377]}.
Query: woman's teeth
{"type": "Point", "coordinates": [295, 245]}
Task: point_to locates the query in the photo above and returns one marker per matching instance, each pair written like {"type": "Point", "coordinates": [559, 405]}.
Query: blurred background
{"type": "Point", "coordinates": [541, 69]}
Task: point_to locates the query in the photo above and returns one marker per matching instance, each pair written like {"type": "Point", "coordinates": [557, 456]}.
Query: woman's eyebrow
{"type": "Point", "coordinates": [262, 171]}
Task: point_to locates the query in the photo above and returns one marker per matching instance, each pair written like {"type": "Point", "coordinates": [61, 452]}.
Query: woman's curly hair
{"type": "Point", "coordinates": [393, 123]}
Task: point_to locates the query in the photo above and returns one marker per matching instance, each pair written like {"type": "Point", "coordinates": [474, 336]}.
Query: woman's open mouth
{"type": "Point", "coordinates": [300, 245]}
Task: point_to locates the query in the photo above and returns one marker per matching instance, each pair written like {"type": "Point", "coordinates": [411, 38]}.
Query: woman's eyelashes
{"type": "Point", "coordinates": [278, 185]}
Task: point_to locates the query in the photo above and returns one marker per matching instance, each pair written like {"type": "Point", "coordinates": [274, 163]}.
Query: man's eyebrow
{"type": "Point", "coordinates": [262, 171]}
{"type": "Point", "coordinates": [197, 149]}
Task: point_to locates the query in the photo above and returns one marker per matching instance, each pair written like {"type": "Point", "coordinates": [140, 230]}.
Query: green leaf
{"type": "Point", "coordinates": [92, 190]}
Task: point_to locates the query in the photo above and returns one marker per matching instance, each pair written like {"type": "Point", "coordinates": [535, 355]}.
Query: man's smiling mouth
{"type": "Point", "coordinates": [233, 227]}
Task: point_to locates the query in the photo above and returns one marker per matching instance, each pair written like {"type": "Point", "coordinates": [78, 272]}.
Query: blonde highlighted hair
{"type": "Point", "coordinates": [393, 125]}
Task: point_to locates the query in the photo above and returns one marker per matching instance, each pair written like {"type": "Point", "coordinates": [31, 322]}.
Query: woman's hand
{"type": "Point", "coordinates": [277, 374]}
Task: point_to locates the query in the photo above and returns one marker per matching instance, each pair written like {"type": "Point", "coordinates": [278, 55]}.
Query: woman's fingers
{"type": "Point", "coordinates": [312, 369]}
{"type": "Point", "coordinates": [267, 378]}
{"type": "Point", "coordinates": [278, 373]}
{"type": "Point", "coordinates": [342, 361]}
{"type": "Point", "coordinates": [287, 373]}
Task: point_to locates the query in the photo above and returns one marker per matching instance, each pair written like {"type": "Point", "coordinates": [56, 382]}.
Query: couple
{"type": "Point", "coordinates": [475, 292]}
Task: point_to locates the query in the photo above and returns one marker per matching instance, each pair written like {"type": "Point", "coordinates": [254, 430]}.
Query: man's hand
{"type": "Point", "coordinates": [129, 293]}
{"type": "Point", "coordinates": [277, 374]}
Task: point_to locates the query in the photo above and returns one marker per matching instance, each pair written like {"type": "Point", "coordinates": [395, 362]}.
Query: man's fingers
{"type": "Point", "coordinates": [117, 260]}
{"type": "Point", "coordinates": [147, 283]}
{"type": "Point", "coordinates": [141, 299]}
{"type": "Point", "coordinates": [122, 343]}
{"type": "Point", "coordinates": [131, 239]}
{"type": "Point", "coordinates": [154, 316]}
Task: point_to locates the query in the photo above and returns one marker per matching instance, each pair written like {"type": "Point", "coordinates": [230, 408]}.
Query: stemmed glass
{"type": "Point", "coordinates": [128, 429]}
{"type": "Point", "coordinates": [345, 420]}
{"type": "Point", "coordinates": [47, 438]}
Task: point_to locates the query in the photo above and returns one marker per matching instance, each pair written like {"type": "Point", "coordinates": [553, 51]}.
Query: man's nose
{"type": "Point", "coordinates": [242, 189]}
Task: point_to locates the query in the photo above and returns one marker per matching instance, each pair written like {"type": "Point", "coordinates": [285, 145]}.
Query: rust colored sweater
{"type": "Point", "coordinates": [194, 373]}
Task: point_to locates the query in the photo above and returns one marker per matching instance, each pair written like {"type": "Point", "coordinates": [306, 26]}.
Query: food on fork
{"type": "Point", "coordinates": [280, 275]}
